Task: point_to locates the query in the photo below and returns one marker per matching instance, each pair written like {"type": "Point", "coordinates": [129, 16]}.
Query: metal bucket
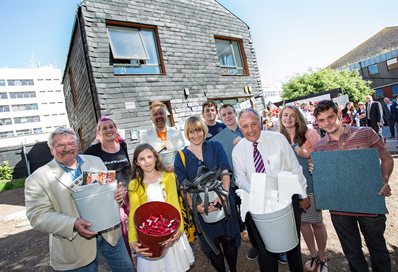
{"type": "Point", "coordinates": [96, 203]}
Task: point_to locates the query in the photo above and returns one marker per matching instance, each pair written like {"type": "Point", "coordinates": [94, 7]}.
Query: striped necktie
{"type": "Point", "coordinates": [258, 160]}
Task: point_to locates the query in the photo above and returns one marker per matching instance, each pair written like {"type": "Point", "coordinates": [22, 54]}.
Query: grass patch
{"type": "Point", "coordinates": [13, 184]}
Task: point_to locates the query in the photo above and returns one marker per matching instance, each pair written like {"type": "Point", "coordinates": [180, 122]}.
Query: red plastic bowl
{"type": "Point", "coordinates": [155, 208]}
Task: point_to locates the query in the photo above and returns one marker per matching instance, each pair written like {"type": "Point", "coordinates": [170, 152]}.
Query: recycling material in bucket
{"type": "Point", "coordinates": [214, 216]}
{"type": "Point", "coordinates": [153, 241]}
{"type": "Point", "coordinates": [277, 229]}
{"type": "Point", "coordinates": [96, 203]}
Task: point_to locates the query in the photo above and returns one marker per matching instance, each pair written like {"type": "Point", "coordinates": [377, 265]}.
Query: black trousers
{"type": "Point", "coordinates": [268, 261]}
{"type": "Point", "coordinates": [391, 124]}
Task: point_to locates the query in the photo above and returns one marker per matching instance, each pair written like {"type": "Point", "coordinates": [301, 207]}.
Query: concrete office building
{"type": "Point", "coordinates": [32, 104]}
{"type": "Point", "coordinates": [376, 59]}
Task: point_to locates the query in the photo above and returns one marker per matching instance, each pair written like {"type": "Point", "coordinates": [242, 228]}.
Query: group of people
{"type": "Point", "coordinates": [145, 177]}
{"type": "Point", "coordinates": [367, 114]}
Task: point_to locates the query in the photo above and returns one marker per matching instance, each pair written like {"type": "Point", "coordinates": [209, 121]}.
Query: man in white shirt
{"type": "Point", "coordinates": [160, 136]}
{"type": "Point", "coordinates": [277, 155]}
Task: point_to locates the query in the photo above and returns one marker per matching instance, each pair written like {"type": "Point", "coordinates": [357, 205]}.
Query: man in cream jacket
{"type": "Point", "coordinates": [51, 209]}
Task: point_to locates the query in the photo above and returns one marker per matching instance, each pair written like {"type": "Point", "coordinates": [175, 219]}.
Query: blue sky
{"type": "Point", "coordinates": [289, 36]}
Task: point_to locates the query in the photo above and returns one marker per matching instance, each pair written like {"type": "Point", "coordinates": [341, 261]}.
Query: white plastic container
{"type": "Point", "coordinates": [167, 157]}
{"type": "Point", "coordinates": [96, 203]}
{"type": "Point", "coordinates": [214, 216]}
{"type": "Point", "coordinates": [277, 229]}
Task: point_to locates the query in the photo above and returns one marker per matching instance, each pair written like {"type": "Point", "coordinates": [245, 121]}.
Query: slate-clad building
{"type": "Point", "coordinates": [124, 54]}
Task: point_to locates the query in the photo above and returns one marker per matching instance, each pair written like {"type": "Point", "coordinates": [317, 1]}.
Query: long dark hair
{"type": "Point", "coordinates": [136, 171]}
{"type": "Point", "coordinates": [300, 126]}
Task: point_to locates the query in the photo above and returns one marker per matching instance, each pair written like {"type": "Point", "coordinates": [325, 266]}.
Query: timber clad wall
{"type": "Point", "coordinates": [186, 31]}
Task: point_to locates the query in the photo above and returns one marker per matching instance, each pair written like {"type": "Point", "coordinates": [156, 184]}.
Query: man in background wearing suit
{"type": "Point", "coordinates": [388, 116]}
{"type": "Point", "coordinates": [50, 208]}
{"type": "Point", "coordinates": [374, 115]}
{"type": "Point", "coordinates": [394, 112]}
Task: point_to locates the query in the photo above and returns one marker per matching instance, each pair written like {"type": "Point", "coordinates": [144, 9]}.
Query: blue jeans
{"type": "Point", "coordinates": [372, 229]}
{"type": "Point", "coordinates": [116, 257]}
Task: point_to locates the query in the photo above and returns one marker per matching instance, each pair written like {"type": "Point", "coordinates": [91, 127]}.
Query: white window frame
{"type": "Point", "coordinates": [134, 53]}
{"type": "Point", "coordinates": [392, 64]}
{"type": "Point", "coordinates": [228, 69]}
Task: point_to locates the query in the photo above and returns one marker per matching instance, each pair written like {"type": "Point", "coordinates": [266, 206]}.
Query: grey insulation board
{"type": "Point", "coordinates": [348, 181]}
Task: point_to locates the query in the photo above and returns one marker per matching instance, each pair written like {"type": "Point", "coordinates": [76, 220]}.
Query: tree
{"type": "Point", "coordinates": [328, 79]}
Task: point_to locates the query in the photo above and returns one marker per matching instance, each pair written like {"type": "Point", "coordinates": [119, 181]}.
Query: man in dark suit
{"type": "Point", "coordinates": [394, 112]}
{"type": "Point", "coordinates": [388, 118]}
{"type": "Point", "coordinates": [374, 115]}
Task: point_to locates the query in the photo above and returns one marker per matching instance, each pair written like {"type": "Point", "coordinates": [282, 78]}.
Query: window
{"type": "Point", "coordinates": [3, 95]}
{"type": "Point", "coordinates": [395, 90]}
{"type": "Point", "coordinates": [231, 56]}
{"type": "Point", "coordinates": [26, 119]}
{"type": "Point", "coordinates": [379, 94]}
{"type": "Point", "coordinates": [392, 64]}
{"type": "Point", "coordinates": [37, 130]}
{"type": "Point", "coordinates": [72, 87]}
{"type": "Point", "coordinates": [134, 49]}
{"type": "Point", "coordinates": [127, 43]}
{"type": "Point", "coordinates": [24, 107]}
{"type": "Point", "coordinates": [5, 121]}
{"type": "Point", "coordinates": [2, 82]}
{"type": "Point", "coordinates": [372, 69]}
{"type": "Point", "coordinates": [14, 95]}
{"type": "Point", "coordinates": [20, 82]}
{"type": "Point", "coordinates": [4, 108]}
{"type": "Point", "coordinates": [21, 132]}
{"type": "Point", "coordinates": [5, 134]}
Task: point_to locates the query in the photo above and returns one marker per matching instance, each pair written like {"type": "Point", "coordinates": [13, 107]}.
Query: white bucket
{"type": "Point", "coordinates": [277, 229]}
{"type": "Point", "coordinates": [96, 203]}
{"type": "Point", "coordinates": [167, 157]}
{"type": "Point", "coordinates": [214, 216]}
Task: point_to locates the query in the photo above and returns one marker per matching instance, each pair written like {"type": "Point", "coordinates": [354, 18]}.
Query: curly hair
{"type": "Point", "coordinates": [136, 171]}
{"type": "Point", "coordinates": [301, 126]}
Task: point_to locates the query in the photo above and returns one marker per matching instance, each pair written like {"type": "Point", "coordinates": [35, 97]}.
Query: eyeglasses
{"type": "Point", "coordinates": [63, 146]}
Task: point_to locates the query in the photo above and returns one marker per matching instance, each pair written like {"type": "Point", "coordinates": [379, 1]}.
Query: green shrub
{"type": "Point", "coordinates": [6, 171]}
{"type": "Point", "coordinates": [13, 184]}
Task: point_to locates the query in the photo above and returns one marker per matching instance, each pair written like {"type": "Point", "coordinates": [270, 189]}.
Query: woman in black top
{"type": "Point", "coordinates": [112, 150]}
{"type": "Point", "coordinates": [361, 114]}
